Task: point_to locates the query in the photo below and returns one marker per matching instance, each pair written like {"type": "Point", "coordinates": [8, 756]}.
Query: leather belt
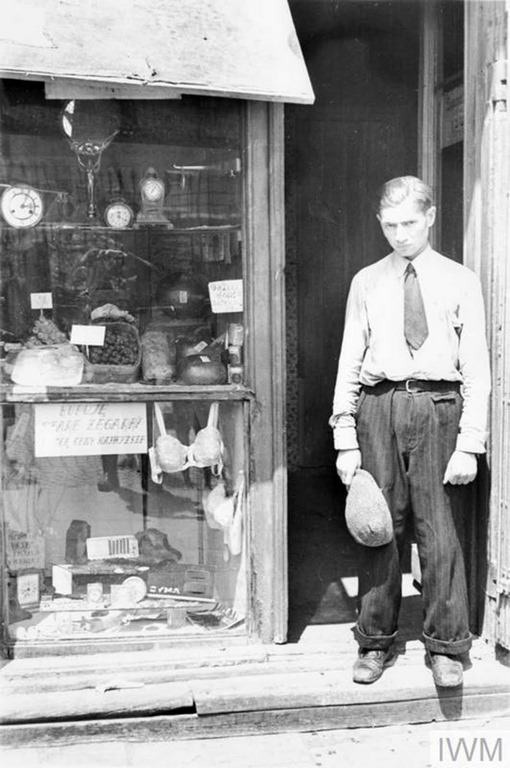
{"type": "Point", "coordinates": [425, 385]}
{"type": "Point", "coordinates": [413, 386]}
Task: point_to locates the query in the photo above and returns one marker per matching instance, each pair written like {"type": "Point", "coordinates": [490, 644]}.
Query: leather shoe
{"type": "Point", "coordinates": [369, 665]}
{"type": "Point", "coordinates": [447, 671]}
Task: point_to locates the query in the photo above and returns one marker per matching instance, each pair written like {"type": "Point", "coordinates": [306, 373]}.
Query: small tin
{"type": "Point", "coordinates": [235, 334]}
{"type": "Point", "coordinates": [235, 355]}
{"type": "Point", "coordinates": [95, 592]}
{"type": "Point", "coordinates": [176, 616]}
{"type": "Point", "coordinates": [235, 374]}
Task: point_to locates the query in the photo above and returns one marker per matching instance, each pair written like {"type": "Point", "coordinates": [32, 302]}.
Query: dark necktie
{"type": "Point", "coordinates": [415, 321]}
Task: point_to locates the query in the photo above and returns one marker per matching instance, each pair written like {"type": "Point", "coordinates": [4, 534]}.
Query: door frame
{"type": "Point", "coordinates": [486, 171]}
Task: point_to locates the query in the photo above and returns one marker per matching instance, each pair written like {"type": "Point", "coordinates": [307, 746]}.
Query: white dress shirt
{"type": "Point", "coordinates": [374, 347]}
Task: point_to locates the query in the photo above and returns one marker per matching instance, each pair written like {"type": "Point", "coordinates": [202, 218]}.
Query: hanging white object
{"type": "Point", "coordinates": [207, 449]}
{"type": "Point", "coordinates": [234, 533]}
{"type": "Point", "coordinates": [226, 513]}
{"type": "Point", "coordinates": [170, 454]}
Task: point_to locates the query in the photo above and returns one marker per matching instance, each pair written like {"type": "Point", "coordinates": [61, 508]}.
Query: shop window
{"type": "Point", "coordinates": [123, 374]}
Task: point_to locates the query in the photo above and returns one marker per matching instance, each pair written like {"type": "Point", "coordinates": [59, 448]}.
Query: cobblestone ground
{"type": "Point", "coordinates": [415, 746]}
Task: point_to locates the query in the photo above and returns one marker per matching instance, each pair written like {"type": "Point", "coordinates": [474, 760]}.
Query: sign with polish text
{"type": "Point", "coordinates": [226, 296]}
{"type": "Point", "coordinates": [89, 429]}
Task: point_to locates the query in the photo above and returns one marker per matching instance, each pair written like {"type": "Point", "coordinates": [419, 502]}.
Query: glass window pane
{"type": "Point", "coordinates": [126, 216]}
{"type": "Point", "coordinates": [121, 545]}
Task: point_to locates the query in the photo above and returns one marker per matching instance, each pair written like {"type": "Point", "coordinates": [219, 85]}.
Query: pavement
{"type": "Point", "coordinates": [385, 747]}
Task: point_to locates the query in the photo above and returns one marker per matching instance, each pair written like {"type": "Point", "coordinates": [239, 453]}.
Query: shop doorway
{"type": "Point", "coordinates": [366, 65]}
{"type": "Point", "coordinates": [363, 61]}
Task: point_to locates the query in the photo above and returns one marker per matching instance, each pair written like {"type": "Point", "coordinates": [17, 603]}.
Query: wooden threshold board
{"type": "Point", "coordinates": [243, 704]}
{"type": "Point", "coordinates": [168, 728]}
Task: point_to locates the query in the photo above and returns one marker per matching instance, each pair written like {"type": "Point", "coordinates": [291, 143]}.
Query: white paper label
{"type": "Point", "coordinates": [88, 335]}
{"type": "Point", "coordinates": [25, 550]}
{"type": "Point", "coordinates": [90, 429]}
{"type": "Point", "coordinates": [226, 296]}
{"type": "Point", "coordinates": [41, 301]}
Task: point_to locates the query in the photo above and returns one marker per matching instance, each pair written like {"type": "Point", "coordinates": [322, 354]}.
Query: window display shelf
{"type": "Point", "coordinates": [139, 640]}
{"type": "Point", "coordinates": [115, 392]}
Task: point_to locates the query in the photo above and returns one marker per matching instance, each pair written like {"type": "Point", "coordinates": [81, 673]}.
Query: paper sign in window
{"type": "Point", "coordinates": [41, 301]}
{"type": "Point", "coordinates": [89, 429]}
{"type": "Point", "coordinates": [88, 335]}
{"type": "Point", "coordinates": [226, 296]}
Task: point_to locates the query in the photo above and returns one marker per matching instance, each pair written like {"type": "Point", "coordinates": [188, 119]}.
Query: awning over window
{"type": "Point", "coordinates": [237, 48]}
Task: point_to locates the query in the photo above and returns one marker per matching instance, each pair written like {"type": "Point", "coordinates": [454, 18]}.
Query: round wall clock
{"type": "Point", "coordinates": [21, 206]}
{"type": "Point", "coordinates": [118, 215]}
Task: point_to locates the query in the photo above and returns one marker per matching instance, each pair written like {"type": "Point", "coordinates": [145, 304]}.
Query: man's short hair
{"type": "Point", "coordinates": [395, 191]}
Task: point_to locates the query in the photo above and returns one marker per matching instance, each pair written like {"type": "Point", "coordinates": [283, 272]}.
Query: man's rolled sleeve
{"type": "Point", "coordinates": [344, 432]}
{"type": "Point", "coordinates": [347, 386]}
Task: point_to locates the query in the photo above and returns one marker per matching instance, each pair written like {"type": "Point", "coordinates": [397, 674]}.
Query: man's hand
{"type": "Point", "coordinates": [347, 464]}
{"type": "Point", "coordinates": [461, 469]}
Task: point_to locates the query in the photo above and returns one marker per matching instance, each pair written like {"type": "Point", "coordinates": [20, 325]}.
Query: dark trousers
{"type": "Point", "coordinates": [406, 441]}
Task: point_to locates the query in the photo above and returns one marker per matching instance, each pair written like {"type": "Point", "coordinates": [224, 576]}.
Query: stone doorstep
{"type": "Point", "coordinates": [212, 691]}
{"type": "Point", "coordinates": [306, 702]}
{"type": "Point", "coordinates": [317, 684]}
{"type": "Point", "coordinates": [335, 654]}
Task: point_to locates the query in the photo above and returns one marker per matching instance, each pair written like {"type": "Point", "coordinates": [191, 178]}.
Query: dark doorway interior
{"type": "Point", "coordinates": [363, 59]}
{"type": "Point", "coordinates": [363, 62]}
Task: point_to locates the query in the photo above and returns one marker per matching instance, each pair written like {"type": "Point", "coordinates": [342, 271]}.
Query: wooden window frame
{"type": "Point", "coordinates": [265, 307]}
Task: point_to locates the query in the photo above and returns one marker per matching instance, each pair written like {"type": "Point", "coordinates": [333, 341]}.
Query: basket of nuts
{"type": "Point", "coordinates": [118, 360]}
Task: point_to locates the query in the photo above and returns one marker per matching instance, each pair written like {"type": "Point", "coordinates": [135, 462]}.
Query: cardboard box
{"type": "Point", "coordinates": [68, 579]}
{"type": "Point", "coordinates": [180, 580]}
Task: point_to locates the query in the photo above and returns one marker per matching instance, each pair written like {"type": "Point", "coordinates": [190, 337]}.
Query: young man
{"type": "Point", "coordinates": [410, 406]}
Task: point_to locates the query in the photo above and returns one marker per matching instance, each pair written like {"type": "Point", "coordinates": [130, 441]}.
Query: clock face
{"type": "Point", "coordinates": [21, 206]}
{"type": "Point", "coordinates": [28, 588]}
{"type": "Point", "coordinates": [118, 215]}
{"type": "Point", "coordinates": [137, 588]}
{"type": "Point", "coordinates": [153, 190]}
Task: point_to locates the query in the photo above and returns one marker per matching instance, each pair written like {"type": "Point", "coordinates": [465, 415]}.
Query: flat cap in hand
{"type": "Point", "coordinates": [366, 512]}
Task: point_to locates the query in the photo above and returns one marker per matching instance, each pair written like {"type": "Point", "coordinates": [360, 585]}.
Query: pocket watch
{"type": "Point", "coordinates": [21, 206]}
{"type": "Point", "coordinates": [136, 586]}
{"type": "Point", "coordinates": [119, 215]}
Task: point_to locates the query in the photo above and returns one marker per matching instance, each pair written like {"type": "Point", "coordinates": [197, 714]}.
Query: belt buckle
{"type": "Point", "coordinates": [408, 384]}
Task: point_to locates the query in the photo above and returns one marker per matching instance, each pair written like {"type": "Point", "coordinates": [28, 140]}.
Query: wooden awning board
{"type": "Point", "coordinates": [213, 47]}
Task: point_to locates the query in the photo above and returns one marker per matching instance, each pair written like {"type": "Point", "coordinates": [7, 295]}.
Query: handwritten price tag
{"type": "Point", "coordinates": [226, 296]}
{"type": "Point", "coordinates": [88, 335]}
{"type": "Point", "coordinates": [41, 301]}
